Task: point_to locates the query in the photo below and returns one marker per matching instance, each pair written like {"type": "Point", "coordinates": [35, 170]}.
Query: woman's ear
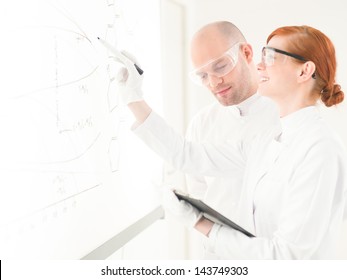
{"type": "Point", "coordinates": [308, 70]}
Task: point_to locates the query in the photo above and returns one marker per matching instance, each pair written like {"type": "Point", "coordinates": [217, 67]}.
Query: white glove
{"type": "Point", "coordinates": [180, 209]}
{"type": "Point", "coordinates": [128, 78]}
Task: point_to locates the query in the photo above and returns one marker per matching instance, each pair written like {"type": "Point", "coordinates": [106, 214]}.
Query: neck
{"type": "Point", "coordinates": [294, 100]}
{"type": "Point", "coordinates": [289, 108]}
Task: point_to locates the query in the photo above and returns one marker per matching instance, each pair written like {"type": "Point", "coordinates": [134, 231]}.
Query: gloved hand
{"type": "Point", "coordinates": [128, 78]}
{"type": "Point", "coordinates": [180, 209]}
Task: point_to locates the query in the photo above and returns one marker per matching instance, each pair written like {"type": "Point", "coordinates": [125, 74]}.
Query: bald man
{"type": "Point", "coordinates": [238, 109]}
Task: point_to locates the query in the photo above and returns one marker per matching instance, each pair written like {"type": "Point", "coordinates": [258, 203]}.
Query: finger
{"type": "Point", "coordinates": [170, 201]}
{"type": "Point", "coordinates": [123, 59]}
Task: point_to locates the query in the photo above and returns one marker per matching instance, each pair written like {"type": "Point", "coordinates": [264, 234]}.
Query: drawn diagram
{"type": "Point", "coordinates": [61, 123]}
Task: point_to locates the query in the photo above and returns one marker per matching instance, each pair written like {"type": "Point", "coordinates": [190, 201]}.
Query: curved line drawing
{"type": "Point", "coordinates": [56, 86]}
{"type": "Point", "coordinates": [71, 159]}
{"type": "Point", "coordinates": [62, 29]}
{"type": "Point", "coordinates": [65, 14]}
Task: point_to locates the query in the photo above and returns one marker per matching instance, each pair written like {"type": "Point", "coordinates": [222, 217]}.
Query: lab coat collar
{"type": "Point", "coordinates": [244, 108]}
{"type": "Point", "coordinates": [294, 121]}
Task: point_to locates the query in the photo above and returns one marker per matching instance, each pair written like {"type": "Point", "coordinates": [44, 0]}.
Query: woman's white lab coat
{"type": "Point", "coordinates": [294, 188]}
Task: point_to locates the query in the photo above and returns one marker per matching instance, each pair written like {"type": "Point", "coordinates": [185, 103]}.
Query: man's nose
{"type": "Point", "coordinates": [214, 80]}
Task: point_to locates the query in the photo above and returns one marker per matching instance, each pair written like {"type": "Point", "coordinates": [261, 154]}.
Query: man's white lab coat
{"type": "Point", "coordinates": [294, 186]}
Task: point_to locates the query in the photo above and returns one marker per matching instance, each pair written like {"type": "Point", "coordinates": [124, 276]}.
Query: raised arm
{"type": "Point", "coordinates": [206, 159]}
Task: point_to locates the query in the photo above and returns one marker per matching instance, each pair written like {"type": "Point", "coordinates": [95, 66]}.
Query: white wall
{"type": "Point", "coordinates": [256, 19]}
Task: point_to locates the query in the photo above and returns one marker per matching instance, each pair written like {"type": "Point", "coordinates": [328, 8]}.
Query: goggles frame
{"type": "Point", "coordinates": [218, 69]}
{"type": "Point", "coordinates": [299, 57]}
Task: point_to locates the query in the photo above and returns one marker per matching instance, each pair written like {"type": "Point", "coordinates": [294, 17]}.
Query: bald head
{"type": "Point", "coordinates": [214, 39]}
{"type": "Point", "coordinates": [208, 46]}
{"type": "Point", "coordinates": [218, 31]}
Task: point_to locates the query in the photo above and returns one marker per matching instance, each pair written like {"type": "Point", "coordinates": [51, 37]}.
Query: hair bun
{"type": "Point", "coordinates": [333, 96]}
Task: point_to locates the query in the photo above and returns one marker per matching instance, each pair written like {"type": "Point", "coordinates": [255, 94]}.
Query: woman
{"type": "Point", "coordinates": [295, 185]}
{"type": "Point", "coordinates": [298, 67]}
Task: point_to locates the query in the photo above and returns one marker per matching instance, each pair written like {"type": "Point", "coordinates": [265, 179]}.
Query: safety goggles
{"type": "Point", "coordinates": [268, 55]}
{"type": "Point", "coordinates": [217, 67]}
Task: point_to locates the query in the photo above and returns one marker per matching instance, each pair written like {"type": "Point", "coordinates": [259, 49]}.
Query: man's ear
{"type": "Point", "coordinates": [308, 70]}
{"type": "Point", "coordinates": [247, 51]}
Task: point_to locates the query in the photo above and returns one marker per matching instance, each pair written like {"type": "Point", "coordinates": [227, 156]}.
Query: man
{"type": "Point", "coordinates": [223, 62]}
{"type": "Point", "coordinates": [236, 111]}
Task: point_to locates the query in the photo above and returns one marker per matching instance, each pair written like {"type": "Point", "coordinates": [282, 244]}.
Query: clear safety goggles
{"type": "Point", "coordinates": [217, 67]}
{"type": "Point", "coordinates": [268, 55]}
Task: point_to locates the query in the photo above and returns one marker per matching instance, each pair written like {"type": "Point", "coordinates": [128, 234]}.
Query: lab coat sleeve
{"type": "Point", "coordinates": [196, 184]}
{"type": "Point", "coordinates": [311, 217]}
{"type": "Point", "coordinates": [191, 157]}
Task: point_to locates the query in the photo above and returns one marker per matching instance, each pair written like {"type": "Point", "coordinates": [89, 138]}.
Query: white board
{"type": "Point", "coordinates": [62, 126]}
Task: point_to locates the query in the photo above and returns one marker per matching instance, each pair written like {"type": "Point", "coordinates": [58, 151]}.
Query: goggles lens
{"type": "Point", "coordinates": [268, 55]}
{"type": "Point", "coordinates": [218, 67]}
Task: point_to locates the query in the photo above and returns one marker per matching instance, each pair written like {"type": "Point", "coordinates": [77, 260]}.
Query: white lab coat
{"type": "Point", "coordinates": [294, 187]}
{"type": "Point", "coordinates": [215, 124]}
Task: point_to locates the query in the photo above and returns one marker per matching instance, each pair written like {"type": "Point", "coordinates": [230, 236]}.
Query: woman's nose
{"type": "Point", "coordinates": [261, 66]}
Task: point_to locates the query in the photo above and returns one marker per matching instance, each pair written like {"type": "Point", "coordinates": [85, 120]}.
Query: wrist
{"type": "Point", "coordinates": [204, 226]}
{"type": "Point", "coordinates": [140, 110]}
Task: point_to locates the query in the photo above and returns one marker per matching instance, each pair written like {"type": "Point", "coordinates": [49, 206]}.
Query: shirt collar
{"type": "Point", "coordinates": [244, 108]}
{"type": "Point", "coordinates": [293, 122]}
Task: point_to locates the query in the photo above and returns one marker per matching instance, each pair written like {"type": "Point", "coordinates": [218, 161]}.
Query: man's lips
{"type": "Point", "coordinates": [223, 91]}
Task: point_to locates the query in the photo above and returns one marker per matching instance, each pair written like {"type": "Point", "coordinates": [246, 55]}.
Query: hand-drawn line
{"type": "Point", "coordinates": [49, 206]}
{"type": "Point", "coordinates": [56, 86]}
{"type": "Point", "coordinates": [112, 98]}
{"type": "Point", "coordinates": [114, 108]}
{"type": "Point", "coordinates": [113, 154]}
{"type": "Point", "coordinates": [110, 2]}
{"type": "Point", "coordinates": [59, 28]}
{"type": "Point", "coordinates": [66, 198]}
{"type": "Point", "coordinates": [56, 78]}
{"type": "Point", "coordinates": [68, 160]}
{"type": "Point", "coordinates": [66, 14]}
{"type": "Point", "coordinates": [119, 15]}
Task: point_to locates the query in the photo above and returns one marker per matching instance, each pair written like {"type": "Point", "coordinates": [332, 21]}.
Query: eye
{"type": "Point", "coordinates": [268, 57]}
{"type": "Point", "coordinates": [220, 68]}
{"type": "Point", "coordinates": [202, 75]}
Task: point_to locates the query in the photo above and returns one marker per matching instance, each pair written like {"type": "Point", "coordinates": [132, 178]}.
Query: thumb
{"type": "Point", "coordinates": [122, 75]}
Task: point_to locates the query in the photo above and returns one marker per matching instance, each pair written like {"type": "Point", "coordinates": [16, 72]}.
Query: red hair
{"type": "Point", "coordinates": [315, 46]}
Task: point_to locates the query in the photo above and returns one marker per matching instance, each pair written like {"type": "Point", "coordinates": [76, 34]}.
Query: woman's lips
{"type": "Point", "coordinates": [264, 79]}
